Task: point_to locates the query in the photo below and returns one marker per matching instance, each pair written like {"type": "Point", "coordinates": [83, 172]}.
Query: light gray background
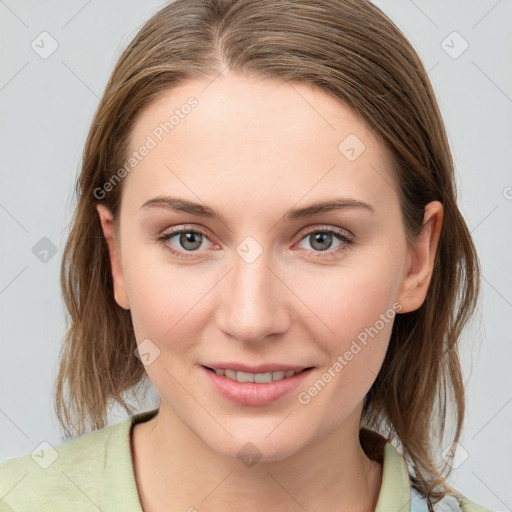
{"type": "Point", "coordinates": [46, 109]}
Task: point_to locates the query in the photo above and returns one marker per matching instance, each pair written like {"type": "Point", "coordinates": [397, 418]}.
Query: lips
{"type": "Point", "coordinates": [255, 393]}
{"type": "Point", "coordinates": [255, 377]}
{"type": "Point", "coordinates": [262, 368]}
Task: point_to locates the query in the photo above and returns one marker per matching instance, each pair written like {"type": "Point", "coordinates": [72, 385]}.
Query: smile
{"type": "Point", "coordinates": [259, 378]}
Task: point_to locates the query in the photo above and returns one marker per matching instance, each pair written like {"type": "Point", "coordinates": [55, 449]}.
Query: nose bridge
{"type": "Point", "coordinates": [252, 302]}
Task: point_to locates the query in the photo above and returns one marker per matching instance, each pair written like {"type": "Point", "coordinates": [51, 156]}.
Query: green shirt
{"type": "Point", "coordinates": [94, 472]}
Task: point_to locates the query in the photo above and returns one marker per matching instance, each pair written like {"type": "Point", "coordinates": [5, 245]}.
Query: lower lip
{"type": "Point", "coordinates": [250, 393]}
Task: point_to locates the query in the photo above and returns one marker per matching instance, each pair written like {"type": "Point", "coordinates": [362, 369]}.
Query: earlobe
{"type": "Point", "coordinates": [106, 220]}
{"type": "Point", "coordinates": [420, 261]}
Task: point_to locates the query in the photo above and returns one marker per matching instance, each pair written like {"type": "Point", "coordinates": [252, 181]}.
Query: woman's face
{"type": "Point", "coordinates": [268, 280]}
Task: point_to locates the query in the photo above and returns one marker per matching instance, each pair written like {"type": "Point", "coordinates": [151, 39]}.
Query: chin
{"type": "Point", "coordinates": [253, 449]}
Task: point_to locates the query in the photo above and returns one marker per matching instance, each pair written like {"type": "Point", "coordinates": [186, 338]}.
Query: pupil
{"type": "Point", "coordinates": [188, 238]}
{"type": "Point", "coordinates": [322, 238]}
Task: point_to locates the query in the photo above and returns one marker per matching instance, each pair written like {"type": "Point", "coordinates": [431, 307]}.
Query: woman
{"type": "Point", "coordinates": [267, 229]}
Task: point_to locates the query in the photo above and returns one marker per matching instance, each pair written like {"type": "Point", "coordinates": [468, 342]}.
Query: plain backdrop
{"type": "Point", "coordinates": [47, 104]}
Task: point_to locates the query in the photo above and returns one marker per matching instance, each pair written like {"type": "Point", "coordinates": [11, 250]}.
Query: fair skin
{"type": "Point", "coordinates": [254, 150]}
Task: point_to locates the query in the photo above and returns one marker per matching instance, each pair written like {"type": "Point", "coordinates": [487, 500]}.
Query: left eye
{"type": "Point", "coordinates": [322, 240]}
{"type": "Point", "coordinates": [188, 239]}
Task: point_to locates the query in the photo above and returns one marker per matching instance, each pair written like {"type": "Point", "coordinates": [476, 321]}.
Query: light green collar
{"type": "Point", "coordinates": [394, 495]}
{"type": "Point", "coordinates": [395, 490]}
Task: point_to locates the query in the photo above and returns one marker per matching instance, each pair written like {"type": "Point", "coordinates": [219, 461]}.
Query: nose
{"type": "Point", "coordinates": [254, 301]}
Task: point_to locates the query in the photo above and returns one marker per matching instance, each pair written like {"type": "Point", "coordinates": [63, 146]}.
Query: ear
{"type": "Point", "coordinates": [420, 259]}
{"type": "Point", "coordinates": [106, 220]}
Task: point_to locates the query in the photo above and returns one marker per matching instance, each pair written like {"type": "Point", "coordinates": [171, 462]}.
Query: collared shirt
{"type": "Point", "coordinates": [95, 472]}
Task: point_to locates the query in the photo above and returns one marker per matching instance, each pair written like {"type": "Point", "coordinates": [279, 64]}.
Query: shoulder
{"type": "Point", "coordinates": [447, 504]}
{"type": "Point", "coordinates": [69, 473]}
{"type": "Point", "coordinates": [397, 488]}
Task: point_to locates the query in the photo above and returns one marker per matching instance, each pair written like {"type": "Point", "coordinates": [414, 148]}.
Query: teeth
{"type": "Point", "coordinates": [255, 377]}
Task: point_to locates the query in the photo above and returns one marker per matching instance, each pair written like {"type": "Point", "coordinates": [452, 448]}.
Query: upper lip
{"type": "Point", "coordinates": [262, 368]}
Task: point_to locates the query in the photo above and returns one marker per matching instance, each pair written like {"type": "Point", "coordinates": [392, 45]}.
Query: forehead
{"type": "Point", "coordinates": [240, 136]}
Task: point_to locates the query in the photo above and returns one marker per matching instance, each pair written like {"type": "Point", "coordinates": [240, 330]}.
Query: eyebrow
{"type": "Point", "coordinates": [183, 205]}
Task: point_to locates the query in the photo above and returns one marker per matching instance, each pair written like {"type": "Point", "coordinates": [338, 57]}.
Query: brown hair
{"type": "Point", "coordinates": [352, 51]}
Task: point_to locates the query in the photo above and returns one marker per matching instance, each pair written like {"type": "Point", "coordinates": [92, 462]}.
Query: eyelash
{"type": "Point", "coordinates": [340, 233]}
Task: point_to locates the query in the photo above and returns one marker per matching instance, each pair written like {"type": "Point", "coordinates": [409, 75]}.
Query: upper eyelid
{"type": "Point", "coordinates": [313, 229]}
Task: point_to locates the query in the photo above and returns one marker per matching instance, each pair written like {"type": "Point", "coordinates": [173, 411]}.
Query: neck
{"type": "Point", "coordinates": [175, 470]}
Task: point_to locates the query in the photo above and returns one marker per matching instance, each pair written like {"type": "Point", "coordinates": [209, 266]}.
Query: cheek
{"type": "Point", "coordinates": [360, 316]}
{"type": "Point", "coordinates": [357, 307]}
{"type": "Point", "coordinates": [362, 323]}
{"type": "Point", "coordinates": [353, 298]}
{"type": "Point", "coordinates": [163, 298]}
{"type": "Point", "coordinates": [163, 311]}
